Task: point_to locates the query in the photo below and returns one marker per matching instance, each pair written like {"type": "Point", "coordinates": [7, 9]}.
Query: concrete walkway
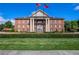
{"type": "Point", "coordinates": [41, 52]}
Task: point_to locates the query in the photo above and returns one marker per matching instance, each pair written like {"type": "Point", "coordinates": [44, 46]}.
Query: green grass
{"type": "Point", "coordinates": [39, 43]}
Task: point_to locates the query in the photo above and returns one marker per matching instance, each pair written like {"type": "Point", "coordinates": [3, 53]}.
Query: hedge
{"type": "Point", "coordinates": [35, 35]}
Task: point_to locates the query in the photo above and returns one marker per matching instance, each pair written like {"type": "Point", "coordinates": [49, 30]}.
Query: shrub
{"type": "Point", "coordinates": [39, 35]}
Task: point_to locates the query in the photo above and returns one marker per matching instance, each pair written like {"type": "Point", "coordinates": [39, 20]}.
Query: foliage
{"type": "Point", "coordinates": [71, 26]}
{"type": "Point", "coordinates": [8, 24]}
{"type": "Point", "coordinates": [78, 23]}
{"type": "Point", "coordinates": [74, 24]}
{"type": "Point", "coordinates": [1, 27]}
{"type": "Point", "coordinates": [67, 26]}
{"type": "Point", "coordinates": [39, 35]}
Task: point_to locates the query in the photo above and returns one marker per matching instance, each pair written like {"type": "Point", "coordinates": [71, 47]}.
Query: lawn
{"type": "Point", "coordinates": [39, 43]}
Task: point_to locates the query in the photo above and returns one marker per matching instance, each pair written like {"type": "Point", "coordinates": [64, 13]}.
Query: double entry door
{"type": "Point", "coordinates": [40, 26]}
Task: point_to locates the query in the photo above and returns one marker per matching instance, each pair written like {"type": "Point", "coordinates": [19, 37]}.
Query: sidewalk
{"type": "Point", "coordinates": [41, 52]}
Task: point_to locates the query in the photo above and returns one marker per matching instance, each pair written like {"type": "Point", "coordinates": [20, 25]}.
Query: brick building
{"type": "Point", "coordinates": [39, 22]}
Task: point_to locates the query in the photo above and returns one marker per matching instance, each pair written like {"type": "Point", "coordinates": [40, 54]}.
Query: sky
{"type": "Point", "coordinates": [10, 11]}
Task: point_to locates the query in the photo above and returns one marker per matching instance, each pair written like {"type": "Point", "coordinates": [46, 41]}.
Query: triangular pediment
{"type": "Point", "coordinates": [39, 13]}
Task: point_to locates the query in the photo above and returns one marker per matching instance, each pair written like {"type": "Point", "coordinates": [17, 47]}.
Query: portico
{"type": "Point", "coordinates": [39, 25]}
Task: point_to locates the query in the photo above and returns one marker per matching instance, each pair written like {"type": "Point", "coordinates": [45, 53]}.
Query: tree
{"type": "Point", "coordinates": [71, 25]}
{"type": "Point", "coordinates": [78, 24]}
{"type": "Point", "coordinates": [1, 27]}
{"type": "Point", "coordinates": [9, 24]}
{"type": "Point", "coordinates": [74, 25]}
{"type": "Point", "coordinates": [67, 26]}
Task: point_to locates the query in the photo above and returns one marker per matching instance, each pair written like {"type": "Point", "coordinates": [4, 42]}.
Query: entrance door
{"type": "Point", "coordinates": [39, 25]}
{"type": "Point", "coordinates": [39, 28]}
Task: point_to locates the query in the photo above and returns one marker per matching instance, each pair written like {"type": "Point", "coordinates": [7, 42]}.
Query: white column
{"type": "Point", "coordinates": [30, 24]}
{"type": "Point", "coordinates": [33, 24]}
{"type": "Point", "coordinates": [46, 24]}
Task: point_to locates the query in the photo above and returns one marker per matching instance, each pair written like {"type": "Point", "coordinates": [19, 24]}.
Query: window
{"type": "Point", "coordinates": [55, 25]}
{"type": "Point", "coordinates": [18, 26]}
{"type": "Point", "coordinates": [51, 22]}
{"type": "Point", "coordinates": [18, 30]}
{"type": "Point", "coordinates": [59, 21]}
{"type": "Point", "coordinates": [18, 22]}
{"type": "Point", "coordinates": [23, 22]}
{"type": "Point", "coordinates": [55, 21]}
{"type": "Point", "coordinates": [23, 26]}
{"type": "Point", "coordinates": [59, 26]}
{"type": "Point", "coordinates": [27, 22]}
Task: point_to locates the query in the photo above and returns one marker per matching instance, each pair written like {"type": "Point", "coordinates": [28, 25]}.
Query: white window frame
{"type": "Point", "coordinates": [19, 22]}
{"type": "Point", "coordinates": [23, 22]}
{"type": "Point", "coordinates": [59, 21]}
{"type": "Point", "coordinates": [59, 26]}
{"type": "Point", "coordinates": [23, 26]}
{"type": "Point", "coordinates": [55, 26]}
{"type": "Point", "coordinates": [55, 21]}
{"type": "Point", "coordinates": [19, 26]}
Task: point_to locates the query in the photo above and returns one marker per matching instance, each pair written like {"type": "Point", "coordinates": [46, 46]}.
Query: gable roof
{"type": "Point", "coordinates": [41, 12]}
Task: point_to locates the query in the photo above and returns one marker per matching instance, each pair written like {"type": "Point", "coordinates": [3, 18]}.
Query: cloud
{"type": "Point", "coordinates": [33, 12]}
{"type": "Point", "coordinates": [77, 8]}
{"type": "Point", "coordinates": [3, 20]}
{"type": "Point", "coordinates": [13, 21]}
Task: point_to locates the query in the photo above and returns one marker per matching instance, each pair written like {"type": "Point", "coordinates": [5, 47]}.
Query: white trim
{"type": "Point", "coordinates": [39, 18]}
{"type": "Point", "coordinates": [39, 13]}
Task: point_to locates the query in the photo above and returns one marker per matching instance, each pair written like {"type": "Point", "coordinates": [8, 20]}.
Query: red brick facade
{"type": "Point", "coordinates": [56, 25]}
{"type": "Point", "coordinates": [22, 25]}
{"type": "Point", "coordinates": [28, 24]}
